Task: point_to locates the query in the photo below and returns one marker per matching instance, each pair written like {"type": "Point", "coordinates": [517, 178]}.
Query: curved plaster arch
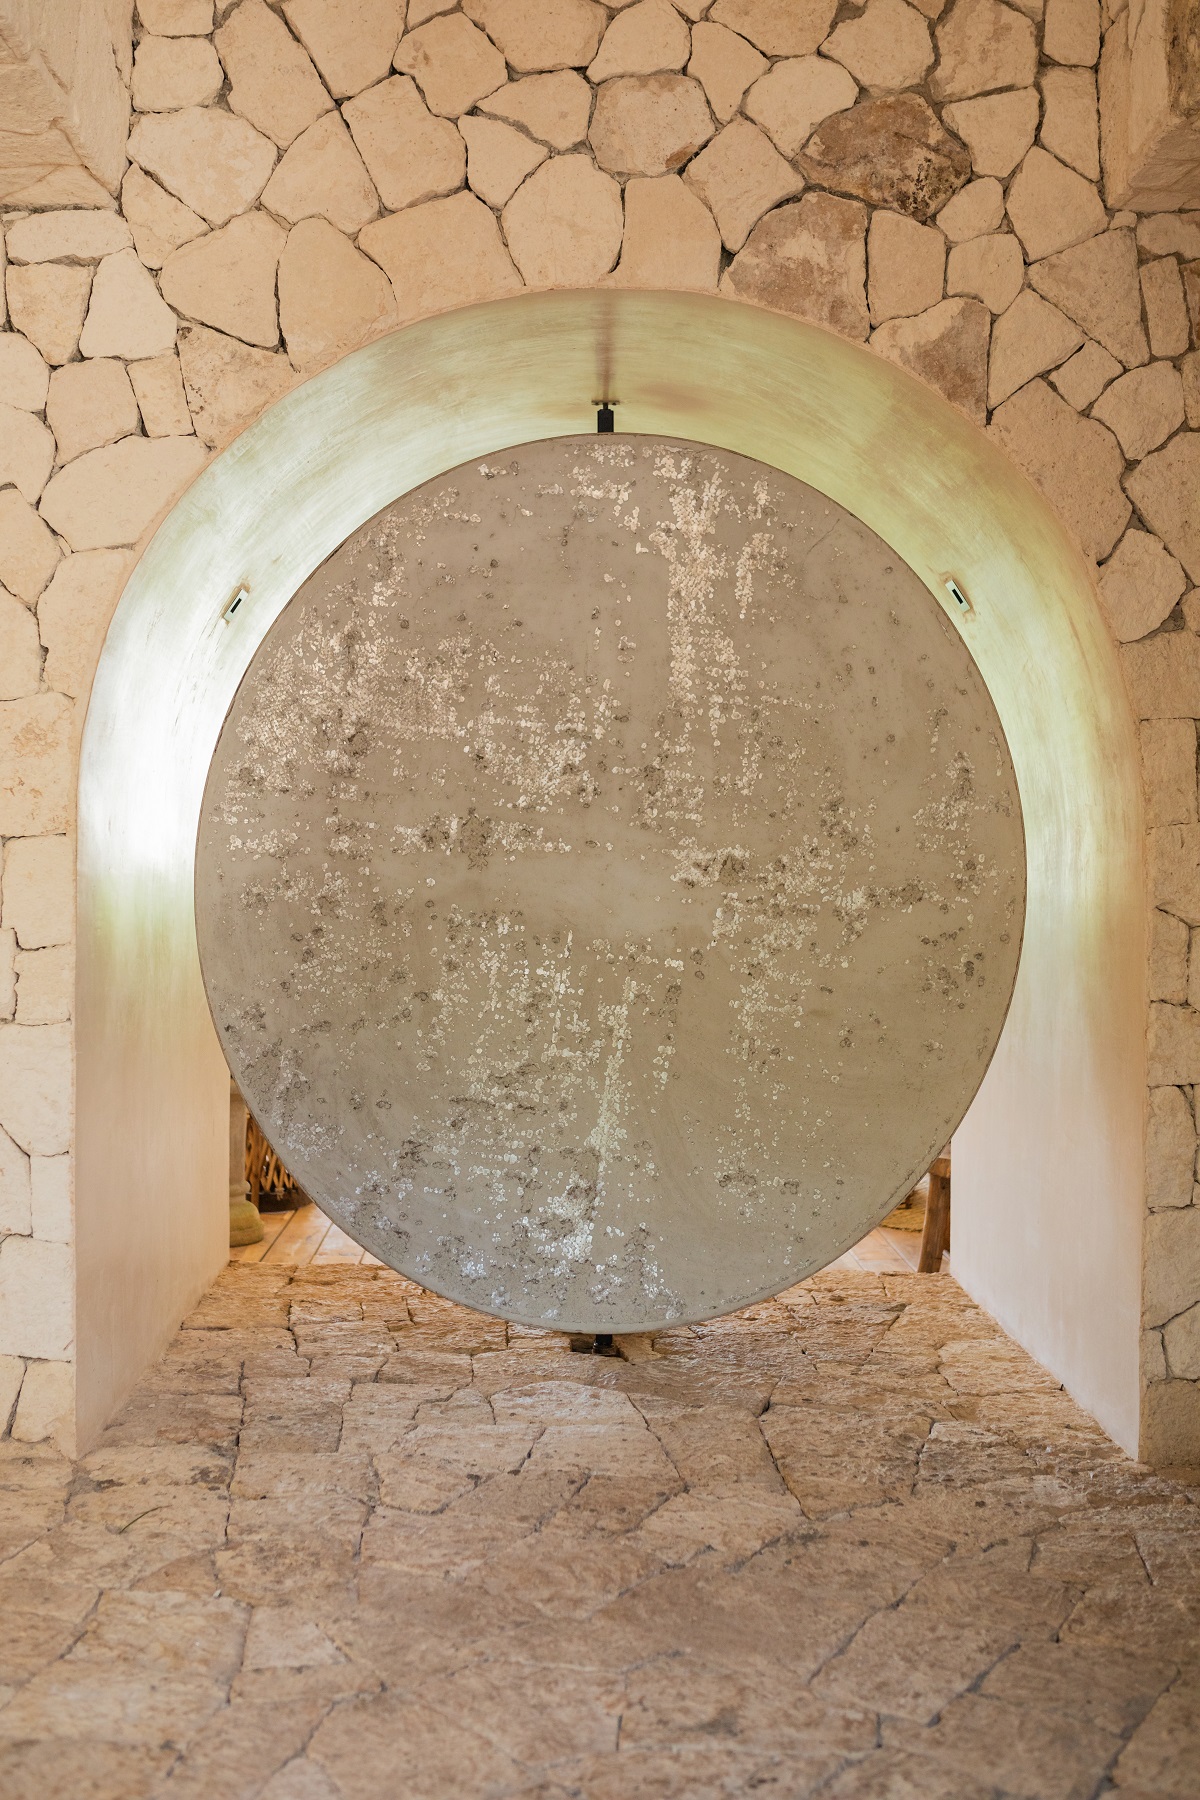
{"type": "Point", "coordinates": [1048, 1173]}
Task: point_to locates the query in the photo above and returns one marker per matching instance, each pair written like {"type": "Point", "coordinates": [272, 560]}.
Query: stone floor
{"type": "Point", "coordinates": [351, 1542]}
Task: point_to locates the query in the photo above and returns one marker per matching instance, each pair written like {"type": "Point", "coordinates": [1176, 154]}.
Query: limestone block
{"type": "Point", "coordinates": [1189, 370]}
{"type": "Point", "coordinates": [126, 314]}
{"type": "Point", "coordinates": [887, 47]}
{"type": "Point", "coordinates": [553, 108]}
{"type": "Point", "coordinates": [352, 42]}
{"type": "Point", "coordinates": [1174, 858]}
{"type": "Point", "coordinates": [79, 236]}
{"type": "Point", "coordinates": [176, 18]}
{"type": "Point", "coordinates": [323, 175]}
{"type": "Point", "coordinates": [24, 377]}
{"type": "Point", "coordinates": [39, 891]}
{"type": "Point", "coordinates": [1096, 284]}
{"type": "Point", "coordinates": [411, 156]}
{"type": "Point", "coordinates": [1162, 675]}
{"type": "Point", "coordinates": [159, 222]}
{"type": "Point", "coordinates": [73, 616]}
{"type": "Point", "coordinates": [649, 124]}
{"type": "Point", "coordinates": [563, 225]}
{"type": "Point", "coordinates": [983, 46]}
{"type": "Point", "coordinates": [1143, 408]}
{"type": "Point", "coordinates": [808, 258]}
{"type": "Point", "coordinates": [28, 551]}
{"type": "Point", "coordinates": [446, 253]}
{"type": "Point", "coordinates": [227, 383]}
{"type": "Point", "coordinates": [36, 785]}
{"type": "Point", "coordinates": [213, 161]}
{"type": "Point", "coordinates": [1168, 749]}
{"type": "Point", "coordinates": [890, 152]}
{"type": "Point", "coordinates": [158, 386]}
{"type": "Point", "coordinates": [15, 1193]}
{"type": "Point", "coordinates": [45, 985]}
{"type": "Point", "coordinates": [1051, 207]}
{"type": "Point", "coordinates": [1166, 310]}
{"type": "Point", "coordinates": [1165, 488]}
{"type": "Point", "coordinates": [1171, 1260]}
{"type": "Point", "coordinates": [272, 82]}
{"type": "Point", "coordinates": [1170, 1148]}
{"type": "Point", "coordinates": [331, 297]}
{"type": "Point", "coordinates": [47, 302]}
{"type": "Point", "coordinates": [90, 404]}
{"type": "Point", "coordinates": [46, 1408]}
{"type": "Point", "coordinates": [645, 39]}
{"type": "Point", "coordinates": [51, 1184]}
{"type": "Point", "coordinates": [1170, 234]}
{"type": "Point", "coordinates": [172, 72]}
{"type": "Point", "coordinates": [1076, 462]}
{"type": "Point", "coordinates": [1181, 1342]}
{"type": "Point", "coordinates": [725, 65]}
{"type": "Point", "coordinates": [906, 265]}
{"type": "Point", "coordinates": [975, 211]}
{"type": "Point", "coordinates": [541, 34]}
{"type": "Point", "coordinates": [1152, 1358]}
{"type": "Point", "coordinates": [1030, 337]}
{"type": "Point", "coordinates": [947, 347]}
{"type": "Point", "coordinates": [1170, 942]}
{"type": "Point", "coordinates": [20, 651]}
{"type": "Point", "coordinates": [37, 1298]}
{"type": "Point", "coordinates": [12, 1373]}
{"type": "Point", "coordinates": [1191, 291]}
{"type": "Point", "coordinates": [670, 238]}
{"type": "Point", "coordinates": [227, 279]}
{"type": "Point", "coordinates": [1170, 1430]}
{"type": "Point", "coordinates": [778, 27]}
{"type": "Point", "coordinates": [26, 451]}
{"type": "Point", "coordinates": [997, 129]}
{"type": "Point", "coordinates": [1139, 586]}
{"type": "Point", "coordinates": [1071, 120]}
{"type": "Point", "coordinates": [740, 176]}
{"type": "Point", "coordinates": [990, 269]}
{"type": "Point", "coordinates": [8, 1003]}
{"type": "Point", "coordinates": [1071, 32]}
{"type": "Point", "coordinates": [1085, 375]}
{"type": "Point", "coordinates": [794, 96]}
{"type": "Point", "coordinates": [453, 63]}
{"type": "Point", "coordinates": [111, 496]}
{"type": "Point", "coordinates": [498, 158]}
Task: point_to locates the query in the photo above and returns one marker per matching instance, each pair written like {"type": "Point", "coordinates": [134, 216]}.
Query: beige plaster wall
{"type": "Point", "coordinates": [305, 176]}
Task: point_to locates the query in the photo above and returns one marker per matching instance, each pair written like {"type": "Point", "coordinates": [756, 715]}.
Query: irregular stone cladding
{"type": "Point", "coordinates": [924, 178]}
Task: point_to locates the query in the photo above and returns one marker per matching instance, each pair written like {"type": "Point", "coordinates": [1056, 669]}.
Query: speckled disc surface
{"type": "Point", "coordinates": [610, 882]}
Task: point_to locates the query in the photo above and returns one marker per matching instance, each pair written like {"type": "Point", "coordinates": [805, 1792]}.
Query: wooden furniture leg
{"type": "Point", "coordinates": [935, 1237]}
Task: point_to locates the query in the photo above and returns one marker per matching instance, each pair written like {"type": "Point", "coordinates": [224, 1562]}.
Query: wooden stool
{"type": "Point", "coordinates": [935, 1237]}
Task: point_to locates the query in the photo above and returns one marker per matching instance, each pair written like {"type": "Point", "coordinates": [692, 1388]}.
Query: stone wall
{"type": "Point", "coordinates": [1150, 103]}
{"type": "Point", "coordinates": [305, 176]}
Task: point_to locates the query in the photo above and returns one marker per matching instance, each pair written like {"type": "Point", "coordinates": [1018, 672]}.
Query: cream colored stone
{"type": "Point", "coordinates": [725, 65]}
{"type": "Point", "coordinates": [740, 176]}
{"type": "Point", "coordinates": [1168, 746]}
{"type": "Point", "coordinates": [1165, 488]}
{"type": "Point", "coordinates": [645, 39]}
{"type": "Point", "coordinates": [46, 302]}
{"type": "Point", "coordinates": [1174, 858]}
{"type": "Point", "coordinates": [1139, 586]}
{"type": "Point", "coordinates": [26, 451]}
{"type": "Point", "coordinates": [1181, 1344]}
{"type": "Point", "coordinates": [1051, 207]}
{"type": "Point", "coordinates": [498, 158]}
{"type": "Point", "coordinates": [649, 124]}
{"type": "Point", "coordinates": [1071, 120]}
{"type": "Point", "coordinates": [37, 1301]}
{"type": "Point", "coordinates": [39, 891]}
{"type": "Point", "coordinates": [158, 386]}
{"type": "Point", "coordinates": [946, 347]}
{"type": "Point", "coordinates": [1162, 674]}
{"type": "Point", "coordinates": [216, 163]}
{"type": "Point", "coordinates": [410, 155]}
{"type": "Point", "coordinates": [1071, 32]}
{"type": "Point", "coordinates": [110, 496]}
{"type": "Point", "coordinates": [8, 1007]}
{"type": "Point", "coordinates": [794, 96]}
{"type": "Point", "coordinates": [991, 269]}
{"type": "Point", "coordinates": [420, 10]}
{"type": "Point", "coordinates": [1193, 966]}
{"type": "Point", "coordinates": [975, 211]}
{"type": "Point", "coordinates": [159, 222]}
{"type": "Point", "coordinates": [24, 377]}
{"type": "Point", "coordinates": [12, 1373]}
{"type": "Point", "coordinates": [983, 46]}
{"type": "Point", "coordinates": [563, 225]}
{"type": "Point", "coordinates": [541, 34]}
{"type": "Point", "coordinates": [28, 551]}
{"type": "Point", "coordinates": [20, 651]}
{"type": "Point", "coordinates": [906, 265]}
{"type": "Point", "coordinates": [1171, 1259]}
{"type": "Point", "coordinates": [331, 297]}
{"type": "Point", "coordinates": [172, 72]}
{"type": "Point", "coordinates": [1170, 1147]}
{"type": "Point", "coordinates": [227, 279]}
{"type": "Point", "coordinates": [809, 258]}
{"type": "Point", "coordinates": [1096, 284]}
{"type": "Point", "coordinates": [72, 618]}
{"type": "Point", "coordinates": [176, 18]}
{"type": "Point", "coordinates": [66, 237]}
{"type": "Point", "coordinates": [1085, 375]}
{"type": "Point", "coordinates": [16, 1213]}
{"type": "Point", "coordinates": [45, 1410]}
{"type": "Point", "coordinates": [45, 986]}
{"type": "Point", "coordinates": [1166, 310]}
{"type": "Point", "coordinates": [553, 108]}
{"type": "Point", "coordinates": [1170, 941]}
{"type": "Point", "coordinates": [1169, 234]}
{"type": "Point", "coordinates": [272, 82]}
{"type": "Point", "coordinates": [1143, 408]}
{"type": "Point", "coordinates": [36, 787]}
{"type": "Point", "coordinates": [227, 384]}
{"type": "Point", "coordinates": [887, 47]}
{"type": "Point", "coordinates": [51, 1177]}
{"type": "Point", "coordinates": [997, 129]}
{"type": "Point", "coordinates": [1189, 369]}
{"type": "Point", "coordinates": [90, 404]}
{"type": "Point", "coordinates": [323, 175]}
{"type": "Point", "coordinates": [1029, 338]}
{"type": "Point", "coordinates": [670, 238]}
{"type": "Point", "coordinates": [778, 27]}
{"type": "Point", "coordinates": [452, 62]}
{"type": "Point", "coordinates": [1076, 462]}
{"type": "Point", "coordinates": [126, 314]}
{"type": "Point", "coordinates": [352, 42]}
{"type": "Point", "coordinates": [447, 253]}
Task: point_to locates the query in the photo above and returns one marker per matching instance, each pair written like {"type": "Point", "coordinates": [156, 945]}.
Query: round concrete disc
{"type": "Point", "coordinates": [610, 882]}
